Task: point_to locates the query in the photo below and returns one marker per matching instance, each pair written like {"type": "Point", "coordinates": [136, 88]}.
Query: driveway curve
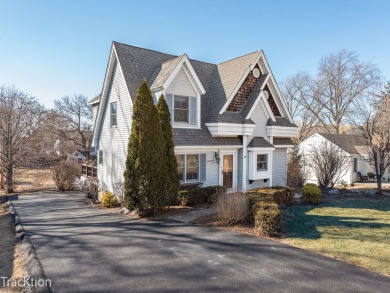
{"type": "Point", "coordinates": [83, 249]}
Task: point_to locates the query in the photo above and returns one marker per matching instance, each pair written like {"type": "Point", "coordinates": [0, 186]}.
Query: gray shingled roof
{"type": "Point", "coordinates": [284, 122]}
{"type": "Point", "coordinates": [95, 100]}
{"type": "Point", "coordinates": [259, 142]}
{"type": "Point", "coordinates": [218, 80]}
{"type": "Point", "coordinates": [283, 141]}
{"type": "Point", "coordinates": [232, 71]}
{"type": "Point", "coordinates": [346, 142]}
{"type": "Point", "coordinates": [162, 72]}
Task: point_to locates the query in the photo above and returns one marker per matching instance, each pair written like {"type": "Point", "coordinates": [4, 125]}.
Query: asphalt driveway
{"type": "Point", "coordinates": [83, 249]}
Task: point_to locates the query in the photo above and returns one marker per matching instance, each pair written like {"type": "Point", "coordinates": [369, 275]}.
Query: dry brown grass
{"type": "Point", "coordinates": [11, 264]}
{"type": "Point", "coordinates": [33, 180]}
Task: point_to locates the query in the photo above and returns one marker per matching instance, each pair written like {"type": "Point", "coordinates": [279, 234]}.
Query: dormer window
{"type": "Point", "coordinates": [183, 109]}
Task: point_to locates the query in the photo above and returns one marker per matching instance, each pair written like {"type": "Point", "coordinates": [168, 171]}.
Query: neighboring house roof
{"type": "Point", "coordinates": [346, 142]}
{"type": "Point", "coordinates": [259, 142]}
{"type": "Point", "coordinates": [83, 153]}
{"type": "Point", "coordinates": [283, 141]}
{"type": "Point", "coordinates": [280, 122]}
{"type": "Point", "coordinates": [95, 100]}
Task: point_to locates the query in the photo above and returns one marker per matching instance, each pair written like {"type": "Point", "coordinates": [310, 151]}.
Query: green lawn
{"type": "Point", "coordinates": [356, 231]}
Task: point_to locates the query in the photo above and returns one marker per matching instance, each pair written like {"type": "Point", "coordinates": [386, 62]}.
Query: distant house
{"type": "Point", "coordinates": [78, 156]}
{"type": "Point", "coordinates": [350, 145]}
{"type": "Point", "coordinates": [231, 125]}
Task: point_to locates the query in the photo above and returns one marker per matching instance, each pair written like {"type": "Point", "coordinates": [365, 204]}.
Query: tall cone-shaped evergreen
{"type": "Point", "coordinates": [172, 183]}
{"type": "Point", "coordinates": [145, 164]}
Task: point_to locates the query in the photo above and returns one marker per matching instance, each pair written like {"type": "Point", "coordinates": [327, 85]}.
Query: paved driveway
{"type": "Point", "coordinates": [83, 249]}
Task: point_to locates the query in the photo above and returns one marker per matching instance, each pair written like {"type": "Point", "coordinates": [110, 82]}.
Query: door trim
{"type": "Point", "coordinates": [220, 169]}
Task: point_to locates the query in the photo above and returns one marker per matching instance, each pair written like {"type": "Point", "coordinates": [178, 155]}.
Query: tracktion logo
{"type": "Point", "coordinates": [28, 282]}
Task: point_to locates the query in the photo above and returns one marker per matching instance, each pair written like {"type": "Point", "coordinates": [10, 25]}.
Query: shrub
{"type": "Point", "coordinates": [109, 200]}
{"type": "Point", "coordinates": [232, 208]}
{"type": "Point", "coordinates": [92, 189]}
{"type": "Point", "coordinates": [64, 175]}
{"type": "Point", "coordinates": [199, 195]}
{"type": "Point", "coordinates": [282, 195]}
{"type": "Point", "coordinates": [311, 193]}
{"type": "Point", "coordinates": [267, 218]}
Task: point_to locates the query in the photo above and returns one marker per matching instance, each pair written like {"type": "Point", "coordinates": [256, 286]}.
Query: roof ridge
{"type": "Point", "coordinates": [146, 49]}
{"type": "Point", "coordinates": [239, 57]}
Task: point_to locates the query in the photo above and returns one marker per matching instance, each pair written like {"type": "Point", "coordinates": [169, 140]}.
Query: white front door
{"type": "Point", "coordinates": [228, 172]}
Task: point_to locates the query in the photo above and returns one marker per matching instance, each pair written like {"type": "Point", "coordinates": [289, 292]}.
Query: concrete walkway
{"type": "Point", "coordinates": [83, 249]}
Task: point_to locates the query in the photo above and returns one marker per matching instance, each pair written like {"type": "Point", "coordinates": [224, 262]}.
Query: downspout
{"type": "Point", "coordinates": [271, 140]}
{"type": "Point", "coordinates": [244, 156]}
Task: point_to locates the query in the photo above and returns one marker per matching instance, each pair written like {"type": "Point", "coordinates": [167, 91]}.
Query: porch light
{"type": "Point", "coordinates": [217, 157]}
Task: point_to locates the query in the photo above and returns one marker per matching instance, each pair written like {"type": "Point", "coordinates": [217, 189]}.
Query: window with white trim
{"type": "Point", "coordinates": [113, 114]}
{"type": "Point", "coordinates": [188, 167]}
{"type": "Point", "coordinates": [100, 157]}
{"type": "Point", "coordinates": [262, 162]}
{"type": "Point", "coordinates": [184, 110]}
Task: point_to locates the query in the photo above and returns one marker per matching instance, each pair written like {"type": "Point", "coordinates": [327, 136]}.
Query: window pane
{"type": "Point", "coordinates": [192, 170]}
{"type": "Point", "coordinates": [180, 166]}
{"type": "Point", "coordinates": [181, 109]}
{"type": "Point", "coordinates": [262, 162]}
{"type": "Point", "coordinates": [113, 113]}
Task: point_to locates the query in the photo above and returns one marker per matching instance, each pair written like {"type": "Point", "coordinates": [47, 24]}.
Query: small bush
{"type": "Point", "coordinates": [92, 189]}
{"type": "Point", "coordinates": [311, 193]}
{"type": "Point", "coordinates": [232, 208]}
{"type": "Point", "coordinates": [194, 196]}
{"type": "Point", "coordinates": [109, 200]}
{"type": "Point", "coordinates": [267, 218]}
{"type": "Point", "coordinates": [282, 195]}
{"type": "Point", "coordinates": [64, 175]}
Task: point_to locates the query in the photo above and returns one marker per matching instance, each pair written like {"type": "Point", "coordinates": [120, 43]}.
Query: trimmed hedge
{"type": "Point", "coordinates": [199, 195]}
{"type": "Point", "coordinates": [267, 218]}
{"type": "Point", "coordinates": [109, 200]}
{"type": "Point", "coordinates": [311, 193]}
{"type": "Point", "coordinates": [282, 195]}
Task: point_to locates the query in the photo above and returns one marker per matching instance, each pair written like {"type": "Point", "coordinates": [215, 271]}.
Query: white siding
{"type": "Point", "coordinates": [114, 140]}
{"type": "Point", "coordinates": [260, 118]}
{"type": "Point", "coordinates": [255, 183]}
{"type": "Point", "coordinates": [279, 169]}
{"type": "Point", "coordinates": [181, 85]}
{"type": "Point", "coordinates": [94, 113]}
{"type": "Point", "coordinates": [211, 170]}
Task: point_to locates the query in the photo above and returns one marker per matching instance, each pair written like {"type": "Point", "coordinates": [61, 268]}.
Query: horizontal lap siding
{"type": "Point", "coordinates": [114, 141]}
{"type": "Point", "coordinates": [211, 170]}
{"type": "Point", "coordinates": [279, 170]}
{"type": "Point", "coordinates": [181, 85]}
{"type": "Point", "coordinates": [260, 118]}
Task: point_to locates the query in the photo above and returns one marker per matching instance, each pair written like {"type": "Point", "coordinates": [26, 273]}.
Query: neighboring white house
{"type": "Point", "coordinates": [231, 126]}
{"type": "Point", "coordinates": [78, 156]}
{"type": "Point", "coordinates": [351, 146]}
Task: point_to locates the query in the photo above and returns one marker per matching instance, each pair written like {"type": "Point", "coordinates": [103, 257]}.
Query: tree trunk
{"type": "Point", "coordinates": [9, 178]}
{"type": "Point", "coordinates": [379, 183]}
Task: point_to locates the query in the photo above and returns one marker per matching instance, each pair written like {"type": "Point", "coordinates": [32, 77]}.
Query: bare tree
{"type": "Point", "coordinates": [300, 103]}
{"type": "Point", "coordinates": [328, 99]}
{"type": "Point", "coordinates": [373, 122]}
{"type": "Point", "coordinates": [329, 163]}
{"type": "Point", "coordinates": [73, 121]}
{"type": "Point", "coordinates": [20, 117]}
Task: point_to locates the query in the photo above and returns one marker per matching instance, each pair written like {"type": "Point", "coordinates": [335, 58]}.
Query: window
{"type": "Point", "coordinates": [113, 112]}
{"type": "Point", "coordinates": [181, 109]}
{"type": "Point", "coordinates": [188, 167]}
{"type": "Point", "coordinates": [355, 162]}
{"type": "Point", "coordinates": [262, 162]}
{"type": "Point", "coordinates": [100, 157]}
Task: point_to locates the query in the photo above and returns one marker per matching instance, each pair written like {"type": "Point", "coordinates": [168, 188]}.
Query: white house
{"type": "Point", "coordinates": [231, 126]}
{"type": "Point", "coordinates": [349, 145]}
{"type": "Point", "coordinates": [78, 157]}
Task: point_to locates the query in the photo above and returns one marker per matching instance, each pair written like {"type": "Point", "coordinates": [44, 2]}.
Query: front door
{"type": "Point", "coordinates": [228, 171]}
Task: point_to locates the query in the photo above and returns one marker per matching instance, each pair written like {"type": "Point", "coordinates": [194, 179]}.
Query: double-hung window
{"type": "Point", "coordinates": [113, 114]}
{"type": "Point", "coordinates": [262, 162]}
{"type": "Point", "coordinates": [188, 167]}
{"type": "Point", "coordinates": [183, 109]}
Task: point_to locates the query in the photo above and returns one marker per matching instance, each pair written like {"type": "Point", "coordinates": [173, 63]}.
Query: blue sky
{"type": "Point", "coordinates": [55, 48]}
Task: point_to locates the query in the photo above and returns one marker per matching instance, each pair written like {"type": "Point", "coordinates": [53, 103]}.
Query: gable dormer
{"type": "Point", "coordinates": [179, 83]}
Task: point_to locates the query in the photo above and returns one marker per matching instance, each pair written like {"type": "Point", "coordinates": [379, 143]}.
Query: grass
{"type": "Point", "coordinates": [356, 231]}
